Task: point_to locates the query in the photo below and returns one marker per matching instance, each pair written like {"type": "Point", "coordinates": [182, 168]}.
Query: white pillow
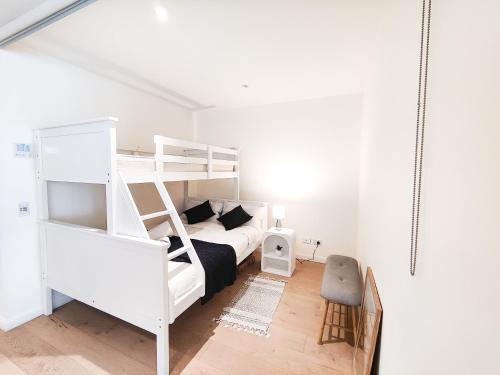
{"type": "Point", "coordinates": [161, 231]}
{"type": "Point", "coordinates": [228, 206]}
{"type": "Point", "coordinates": [217, 207]}
{"type": "Point", "coordinates": [255, 211]}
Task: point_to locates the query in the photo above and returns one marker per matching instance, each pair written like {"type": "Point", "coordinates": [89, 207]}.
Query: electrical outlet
{"type": "Point", "coordinates": [24, 209]}
{"type": "Point", "coordinates": [311, 241]}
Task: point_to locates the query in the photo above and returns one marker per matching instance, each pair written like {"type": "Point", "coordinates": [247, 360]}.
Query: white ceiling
{"type": "Point", "coordinates": [12, 9]}
{"type": "Point", "coordinates": [204, 52]}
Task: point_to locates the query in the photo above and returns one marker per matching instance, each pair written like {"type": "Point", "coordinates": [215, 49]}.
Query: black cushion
{"type": "Point", "coordinates": [235, 218]}
{"type": "Point", "coordinates": [199, 213]}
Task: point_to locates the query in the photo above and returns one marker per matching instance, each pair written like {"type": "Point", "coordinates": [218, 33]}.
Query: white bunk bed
{"type": "Point", "coordinates": [120, 270]}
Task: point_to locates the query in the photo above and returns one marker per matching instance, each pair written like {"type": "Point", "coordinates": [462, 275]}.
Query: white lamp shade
{"type": "Point", "coordinates": [278, 212]}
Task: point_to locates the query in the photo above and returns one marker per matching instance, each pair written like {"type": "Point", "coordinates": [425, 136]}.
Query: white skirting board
{"type": "Point", "coordinates": [58, 299]}
{"type": "Point", "coordinates": [3, 323]}
{"type": "Point", "coordinates": [317, 258]}
{"type": "Point", "coordinates": [6, 324]}
{"type": "Point", "coordinates": [302, 256]}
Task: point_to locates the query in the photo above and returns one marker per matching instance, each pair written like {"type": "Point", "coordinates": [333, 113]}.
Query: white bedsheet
{"type": "Point", "coordinates": [240, 238]}
{"type": "Point", "coordinates": [181, 278]}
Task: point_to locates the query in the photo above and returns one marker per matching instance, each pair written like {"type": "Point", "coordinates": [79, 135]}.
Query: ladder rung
{"type": "Point", "coordinates": [176, 253]}
{"type": "Point", "coordinates": [157, 214]}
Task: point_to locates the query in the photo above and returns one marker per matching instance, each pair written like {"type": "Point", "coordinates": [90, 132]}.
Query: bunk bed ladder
{"type": "Point", "coordinates": [128, 221]}
{"type": "Point", "coordinates": [187, 246]}
{"type": "Point", "coordinates": [131, 222]}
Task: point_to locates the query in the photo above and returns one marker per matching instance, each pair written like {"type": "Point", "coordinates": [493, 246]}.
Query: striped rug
{"type": "Point", "coordinates": [253, 307]}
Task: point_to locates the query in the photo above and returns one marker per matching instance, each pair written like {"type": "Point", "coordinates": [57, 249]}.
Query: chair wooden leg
{"type": "Point", "coordinates": [322, 328]}
{"type": "Point", "coordinates": [346, 312]}
{"type": "Point", "coordinates": [331, 323]}
{"type": "Point", "coordinates": [344, 323]}
{"type": "Point", "coordinates": [354, 331]}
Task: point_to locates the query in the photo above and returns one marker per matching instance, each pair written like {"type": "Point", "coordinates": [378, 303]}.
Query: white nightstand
{"type": "Point", "coordinates": [278, 251]}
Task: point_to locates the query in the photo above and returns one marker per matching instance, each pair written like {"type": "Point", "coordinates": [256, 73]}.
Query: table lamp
{"type": "Point", "coordinates": [278, 214]}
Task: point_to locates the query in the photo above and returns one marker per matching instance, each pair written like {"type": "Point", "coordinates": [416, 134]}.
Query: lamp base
{"type": "Point", "coordinates": [278, 224]}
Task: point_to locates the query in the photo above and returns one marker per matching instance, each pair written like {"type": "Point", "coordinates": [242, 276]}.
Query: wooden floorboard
{"type": "Point", "coordinates": [78, 339]}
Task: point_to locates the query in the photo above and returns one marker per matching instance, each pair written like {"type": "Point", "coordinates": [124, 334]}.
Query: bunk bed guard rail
{"type": "Point", "coordinates": [197, 154]}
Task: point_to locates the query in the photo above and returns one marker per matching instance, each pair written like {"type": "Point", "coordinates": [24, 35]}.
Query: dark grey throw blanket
{"type": "Point", "coordinates": [218, 260]}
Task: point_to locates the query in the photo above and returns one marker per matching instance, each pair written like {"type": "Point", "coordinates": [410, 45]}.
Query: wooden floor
{"type": "Point", "coordinates": [78, 339]}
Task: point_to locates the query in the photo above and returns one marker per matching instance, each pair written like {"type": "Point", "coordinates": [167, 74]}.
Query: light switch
{"type": "Point", "coordinates": [24, 209]}
{"type": "Point", "coordinates": [22, 150]}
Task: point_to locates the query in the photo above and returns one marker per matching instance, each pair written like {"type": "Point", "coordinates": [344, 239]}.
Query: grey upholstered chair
{"type": "Point", "coordinates": [341, 285]}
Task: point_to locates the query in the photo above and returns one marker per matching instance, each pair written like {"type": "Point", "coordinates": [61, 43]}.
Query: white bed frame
{"type": "Point", "coordinates": [120, 270]}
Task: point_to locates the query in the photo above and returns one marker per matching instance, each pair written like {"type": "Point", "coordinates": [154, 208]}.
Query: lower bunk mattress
{"type": "Point", "coordinates": [218, 261]}
{"type": "Point", "coordinates": [243, 239]}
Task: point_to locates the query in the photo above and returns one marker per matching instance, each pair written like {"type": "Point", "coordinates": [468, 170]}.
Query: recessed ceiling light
{"type": "Point", "coordinates": [161, 13]}
{"type": "Point", "coordinates": [245, 86]}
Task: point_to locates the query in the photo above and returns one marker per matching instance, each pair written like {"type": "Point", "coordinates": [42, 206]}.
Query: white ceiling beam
{"type": "Point", "coordinates": [109, 70]}
{"type": "Point", "coordinates": [39, 17]}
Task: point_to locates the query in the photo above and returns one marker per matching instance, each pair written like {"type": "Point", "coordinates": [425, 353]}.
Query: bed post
{"type": "Point", "coordinates": [162, 342]}
{"type": "Point", "coordinates": [46, 291]}
{"type": "Point", "coordinates": [186, 194]}
{"type": "Point", "coordinates": [236, 189]}
{"type": "Point", "coordinates": [111, 181]}
{"type": "Point", "coordinates": [43, 214]}
{"type": "Point", "coordinates": [162, 350]}
{"type": "Point", "coordinates": [210, 156]}
{"type": "Point", "coordinates": [158, 154]}
{"type": "Point", "coordinates": [236, 180]}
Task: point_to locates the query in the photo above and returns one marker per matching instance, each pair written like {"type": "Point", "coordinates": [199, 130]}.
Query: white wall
{"type": "Point", "coordinates": [304, 155]}
{"type": "Point", "coordinates": [446, 319]}
{"type": "Point", "coordinates": [81, 204]}
{"type": "Point", "coordinates": [37, 91]}
{"type": "Point", "coordinates": [3, 297]}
